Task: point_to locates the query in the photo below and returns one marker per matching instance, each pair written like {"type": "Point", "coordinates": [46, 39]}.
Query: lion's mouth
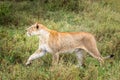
{"type": "Point", "coordinates": [28, 34]}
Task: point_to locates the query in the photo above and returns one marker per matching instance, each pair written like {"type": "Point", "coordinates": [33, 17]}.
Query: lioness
{"type": "Point", "coordinates": [61, 42]}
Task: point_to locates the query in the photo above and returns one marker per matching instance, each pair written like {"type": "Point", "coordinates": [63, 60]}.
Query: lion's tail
{"type": "Point", "coordinates": [109, 56]}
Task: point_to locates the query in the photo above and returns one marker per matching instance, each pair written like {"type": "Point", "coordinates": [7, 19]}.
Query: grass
{"type": "Point", "coordinates": [101, 18]}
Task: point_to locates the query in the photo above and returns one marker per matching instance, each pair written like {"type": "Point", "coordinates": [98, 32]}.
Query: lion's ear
{"type": "Point", "coordinates": [37, 26]}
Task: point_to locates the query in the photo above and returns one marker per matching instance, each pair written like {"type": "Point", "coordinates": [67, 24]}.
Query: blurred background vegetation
{"type": "Point", "coordinates": [100, 17]}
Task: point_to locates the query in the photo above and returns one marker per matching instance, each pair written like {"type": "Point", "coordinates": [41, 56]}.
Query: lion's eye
{"type": "Point", "coordinates": [37, 26]}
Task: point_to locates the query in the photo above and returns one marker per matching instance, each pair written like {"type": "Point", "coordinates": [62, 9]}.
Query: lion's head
{"type": "Point", "coordinates": [34, 29]}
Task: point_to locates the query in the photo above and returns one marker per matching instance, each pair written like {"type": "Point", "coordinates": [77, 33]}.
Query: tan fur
{"type": "Point", "coordinates": [61, 42]}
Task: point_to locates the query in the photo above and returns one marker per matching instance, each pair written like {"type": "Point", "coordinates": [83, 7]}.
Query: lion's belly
{"type": "Point", "coordinates": [68, 48]}
{"type": "Point", "coordinates": [67, 51]}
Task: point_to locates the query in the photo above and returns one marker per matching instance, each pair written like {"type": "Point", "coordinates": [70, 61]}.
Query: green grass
{"type": "Point", "coordinates": [101, 18]}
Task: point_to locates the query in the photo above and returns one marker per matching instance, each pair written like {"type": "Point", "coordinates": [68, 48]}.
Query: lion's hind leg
{"type": "Point", "coordinates": [80, 57]}
{"type": "Point", "coordinates": [91, 47]}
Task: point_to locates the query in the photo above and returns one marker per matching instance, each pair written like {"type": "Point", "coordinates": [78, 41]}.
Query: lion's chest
{"type": "Point", "coordinates": [45, 47]}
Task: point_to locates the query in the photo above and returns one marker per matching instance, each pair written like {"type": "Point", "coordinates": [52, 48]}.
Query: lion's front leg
{"type": "Point", "coordinates": [55, 58]}
{"type": "Point", "coordinates": [38, 53]}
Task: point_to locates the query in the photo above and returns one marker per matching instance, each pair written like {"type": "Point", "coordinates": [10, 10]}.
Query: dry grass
{"type": "Point", "coordinates": [97, 17]}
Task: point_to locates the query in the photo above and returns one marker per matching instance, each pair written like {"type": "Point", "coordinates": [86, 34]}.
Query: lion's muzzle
{"type": "Point", "coordinates": [28, 34]}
